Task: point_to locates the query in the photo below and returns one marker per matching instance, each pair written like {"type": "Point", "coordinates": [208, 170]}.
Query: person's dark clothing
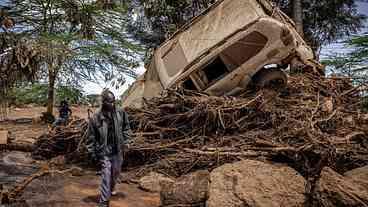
{"type": "Point", "coordinates": [64, 111]}
{"type": "Point", "coordinates": [112, 142]}
{"type": "Point", "coordinates": [105, 132]}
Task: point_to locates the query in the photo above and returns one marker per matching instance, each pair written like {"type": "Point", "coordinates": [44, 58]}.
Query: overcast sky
{"type": "Point", "coordinates": [96, 88]}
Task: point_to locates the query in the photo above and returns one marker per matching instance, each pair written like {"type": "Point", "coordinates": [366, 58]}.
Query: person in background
{"type": "Point", "coordinates": [108, 132]}
{"type": "Point", "coordinates": [64, 113]}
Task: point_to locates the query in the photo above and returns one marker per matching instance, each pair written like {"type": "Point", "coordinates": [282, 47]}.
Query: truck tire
{"type": "Point", "coordinates": [270, 78]}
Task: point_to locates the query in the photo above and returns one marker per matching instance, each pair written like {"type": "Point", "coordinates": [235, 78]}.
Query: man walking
{"type": "Point", "coordinates": [108, 131]}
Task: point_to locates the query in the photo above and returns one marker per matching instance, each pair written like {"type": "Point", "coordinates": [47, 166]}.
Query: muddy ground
{"type": "Point", "coordinates": [58, 189]}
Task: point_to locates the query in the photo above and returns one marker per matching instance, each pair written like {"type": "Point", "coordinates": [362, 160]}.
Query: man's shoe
{"type": "Point", "coordinates": [103, 204]}
{"type": "Point", "coordinates": [114, 193]}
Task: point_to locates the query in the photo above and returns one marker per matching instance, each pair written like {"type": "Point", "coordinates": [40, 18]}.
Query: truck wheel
{"type": "Point", "coordinates": [270, 78]}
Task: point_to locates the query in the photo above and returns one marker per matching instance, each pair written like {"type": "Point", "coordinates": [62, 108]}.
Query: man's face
{"type": "Point", "coordinates": [109, 102]}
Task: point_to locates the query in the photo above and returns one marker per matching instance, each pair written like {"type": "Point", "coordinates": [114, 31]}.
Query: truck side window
{"type": "Point", "coordinates": [246, 48]}
{"type": "Point", "coordinates": [231, 58]}
{"type": "Point", "coordinates": [215, 70]}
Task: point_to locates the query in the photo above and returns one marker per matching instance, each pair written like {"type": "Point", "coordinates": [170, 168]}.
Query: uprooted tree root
{"type": "Point", "coordinates": [12, 195]}
{"type": "Point", "coordinates": [313, 123]}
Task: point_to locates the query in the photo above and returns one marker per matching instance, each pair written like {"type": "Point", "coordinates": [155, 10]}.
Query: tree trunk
{"type": "Point", "coordinates": [51, 90]}
{"type": "Point", "coordinates": [3, 105]}
{"type": "Point", "coordinates": [298, 16]}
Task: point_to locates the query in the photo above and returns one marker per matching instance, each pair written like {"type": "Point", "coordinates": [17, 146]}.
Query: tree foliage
{"type": "Point", "coordinates": [326, 21]}
{"type": "Point", "coordinates": [79, 36]}
{"type": "Point", "coordinates": [353, 63]}
{"type": "Point", "coordinates": [18, 61]}
{"type": "Point", "coordinates": [36, 93]}
{"type": "Point", "coordinates": [163, 17]}
{"type": "Point", "coordinates": [29, 94]}
{"type": "Point", "coordinates": [75, 40]}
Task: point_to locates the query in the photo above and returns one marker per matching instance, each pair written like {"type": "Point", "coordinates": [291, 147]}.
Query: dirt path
{"type": "Point", "coordinates": [65, 190]}
{"type": "Point", "coordinates": [82, 191]}
{"type": "Point", "coordinates": [29, 132]}
{"type": "Point", "coordinates": [32, 112]}
{"type": "Point", "coordinates": [58, 190]}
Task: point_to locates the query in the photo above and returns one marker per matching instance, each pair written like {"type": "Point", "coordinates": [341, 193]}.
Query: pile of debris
{"type": "Point", "coordinates": [314, 122]}
{"type": "Point", "coordinates": [62, 140]}
{"type": "Point", "coordinates": [314, 127]}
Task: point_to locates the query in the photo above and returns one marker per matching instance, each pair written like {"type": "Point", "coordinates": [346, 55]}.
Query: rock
{"type": "Point", "coordinates": [187, 190]}
{"type": "Point", "coordinates": [76, 171]}
{"type": "Point", "coordinates": [152, 181]}
{"type": "Point", "coordinates": [333, 189]}
{"type": "Point", "coordinates": [256, 184]}
{"type": "Point", "coordinates": [359, 175]}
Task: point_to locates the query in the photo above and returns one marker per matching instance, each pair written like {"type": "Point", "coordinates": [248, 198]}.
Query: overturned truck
{"type": "Point", "coordinates": [223, 50]}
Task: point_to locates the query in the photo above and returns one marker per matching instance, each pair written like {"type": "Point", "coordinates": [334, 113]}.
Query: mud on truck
{"type": "Point", "coordinates": [232, 44]}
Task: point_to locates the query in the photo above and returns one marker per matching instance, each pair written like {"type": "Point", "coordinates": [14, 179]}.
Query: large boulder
{"type": "Point", "coordinates": [359, 175]}
{"type": "Point", "coordinates": [188, 190]}
{"type": "Point", "coordinates": [333, 189]}
{"type": "Point", "coordinates": [152, 182]}
{"type": "Point", "coordinates": [256, 184]}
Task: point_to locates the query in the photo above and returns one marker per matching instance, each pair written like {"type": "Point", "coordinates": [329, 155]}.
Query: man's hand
{"type": "Point", "coordinates": [126, 147]}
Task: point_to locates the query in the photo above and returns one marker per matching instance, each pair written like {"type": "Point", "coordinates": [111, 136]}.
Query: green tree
{"type": "Point", "coordinates": [319, 21]}
{"type": "Point", "coordinates": [29, 94]}
{"type": "Point", "coordinates": [18, 62]}
{"type": "Point", "coordinates": [163, 17]}
{"type": "Point", "coordinates": [36, 93]}
{"type": "Point", "coordinates": [73, 94]}
{"type": "Point", "coordinates": [76, 40]}
{"type": "Point", "coordinates": [324, 21]}
{"type": "Point", "coordinates": [354, 63]}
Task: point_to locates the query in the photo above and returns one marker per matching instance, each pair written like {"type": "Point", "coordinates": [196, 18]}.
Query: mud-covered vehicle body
{"type": "Point", "coordinates": [221, 51]}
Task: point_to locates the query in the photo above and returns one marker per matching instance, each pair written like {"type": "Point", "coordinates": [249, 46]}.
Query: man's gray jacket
{"type": "Point", "coordinates": [97, 134]}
